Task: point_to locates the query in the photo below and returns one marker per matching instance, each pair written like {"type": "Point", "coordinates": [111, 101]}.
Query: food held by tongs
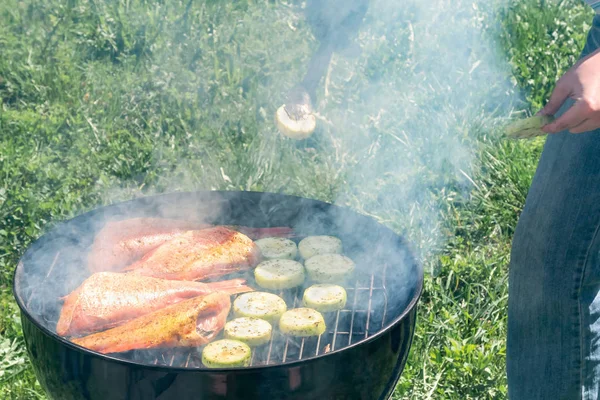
{"type": "Point", "coordinates": [529, 127]}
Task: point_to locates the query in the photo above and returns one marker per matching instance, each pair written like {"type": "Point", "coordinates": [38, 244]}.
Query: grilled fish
{"type": "Point", "coordinates": [119, 243]}
{"type": "Point", "coordinates": [198, 255]}
{"type": "Point", "coordinates": [190, 323]}
{"type": "Point", "coordinates": [108, 299]}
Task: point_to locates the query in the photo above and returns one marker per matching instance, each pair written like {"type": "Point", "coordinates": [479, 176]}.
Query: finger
{"type": "Point", "coordinates": [574, 116]}
{"type": "Point", "coordinates": [586, 126]}
{"type": "Point", "coordinates": [557, 98]}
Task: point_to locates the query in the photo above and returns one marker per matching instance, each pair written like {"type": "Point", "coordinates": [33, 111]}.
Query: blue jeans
{"type": "Point", "coordinates": [553, 348]}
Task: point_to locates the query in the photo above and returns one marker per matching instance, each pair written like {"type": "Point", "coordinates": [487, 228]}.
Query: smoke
{"type": "Point", "coordinates": [429, 80]}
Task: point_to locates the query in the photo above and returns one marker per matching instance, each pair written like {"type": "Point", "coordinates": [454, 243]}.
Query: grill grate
{"type": "Point", "coordinates": [357, 321]}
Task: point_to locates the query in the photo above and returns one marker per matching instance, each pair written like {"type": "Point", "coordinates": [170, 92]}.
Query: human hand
{"type": "Point", "coordinates": [582, 84]}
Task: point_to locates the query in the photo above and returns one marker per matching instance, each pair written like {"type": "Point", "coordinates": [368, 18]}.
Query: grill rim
{"type": "Point", "coordinates": [254, 368]}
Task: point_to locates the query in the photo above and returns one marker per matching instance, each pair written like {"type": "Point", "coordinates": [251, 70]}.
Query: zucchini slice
{"type": "Point", "coordinates": [279, 274]}
{"type": "Point", "coordinates": [302, 322]}
{"type": "Point", "coordinates": [329, 268]}
{"type": "Point", "coordinates": [313, 245]}
{"type": "Point", "coordinates": [295, 128]}
{"type": "Point", "coordinates": [226, 353]}
{"type": "Point", "coordinates": [267, 306]}
{"type": "Point", "coordinates": [252, 331]}
{"type": "Point", "coordinates": [325, 297]}
{"type": "Point", "coordinates": [277, 248]}
{"type": "Point", "coordinates": [528, 127]}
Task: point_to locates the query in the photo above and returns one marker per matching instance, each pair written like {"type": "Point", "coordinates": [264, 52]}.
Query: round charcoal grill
{"type": "Point", "coordinates": [360, 356]}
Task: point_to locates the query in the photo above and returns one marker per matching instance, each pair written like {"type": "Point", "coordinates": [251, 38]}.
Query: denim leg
{"type": "Point", "coordinates": [553, 345]}
{"type": "Point", "coordinates": [554, 303]}
{"type": "Point", "coordinates": [590, 320]}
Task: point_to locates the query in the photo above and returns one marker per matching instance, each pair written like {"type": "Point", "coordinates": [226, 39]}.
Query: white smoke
{"type": "Point", "coordinates": [429, 79]}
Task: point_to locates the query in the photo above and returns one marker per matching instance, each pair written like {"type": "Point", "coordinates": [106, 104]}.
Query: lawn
{"type": "Point", "coordinates": [106, 100]}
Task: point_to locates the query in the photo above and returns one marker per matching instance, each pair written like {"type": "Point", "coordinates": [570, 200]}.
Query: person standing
{"type": "Point", "coordinates": [553, 343]}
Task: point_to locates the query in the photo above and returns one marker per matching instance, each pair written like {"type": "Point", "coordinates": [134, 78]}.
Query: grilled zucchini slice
{"type": "Point", "coordinates": [277, 248]}
{"type": "Point", "coordinates": [279, 274]}
{"type": "Point", "coordinates": [226, 353]}
{"type": "Point", "coordinates": [302, 322]}
{"type": "Point", "coordinates": [263, 305]}
{"type": "Point", "coordinates": [295, 128]}
{"type": "Point", "coordinates": [252, 331]}
{"type": "Point", "coordinates": [528, 127]}
{"type": "Point", "coordinates": [325, 297]}
{"type": "Point", "coordinates": [313, 245]}
{"type": "Point", "coordinates": [329, 268]}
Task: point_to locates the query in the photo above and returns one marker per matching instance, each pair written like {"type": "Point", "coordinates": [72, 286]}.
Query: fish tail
{"type": "Point", "coordinates": [232, 286]}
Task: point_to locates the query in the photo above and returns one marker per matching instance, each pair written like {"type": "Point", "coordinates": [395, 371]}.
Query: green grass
{"type": "Point", "coordinates": [104, 100]}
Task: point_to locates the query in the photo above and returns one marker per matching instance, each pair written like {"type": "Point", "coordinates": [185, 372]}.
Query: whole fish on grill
{"type": "Point", "coordinates": [119, 243]}
{"type": "Point", "coordinates": [190, 323]}
{"type": "Point", "coordinates": [108, 299]}
{"type": "Point", "coordinates": [198, 255]}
